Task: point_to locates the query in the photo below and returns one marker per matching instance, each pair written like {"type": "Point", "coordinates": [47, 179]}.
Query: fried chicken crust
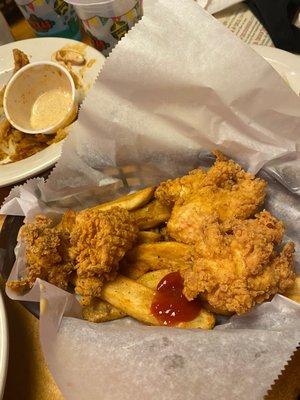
{"type": "Point", "coordinates": [99, 240]}
{"type": "Point", "coordinates": [46, 257]}
{"type": "Point", "coordinates": [237, 269]}
{"type": "Point", "coordinates": [90, 242]}
{"type": "Point", "coordinates": [224, 192]}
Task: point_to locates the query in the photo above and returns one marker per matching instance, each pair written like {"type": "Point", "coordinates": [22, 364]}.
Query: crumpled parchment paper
{"type": "Point", "coordinates": [213, 6]}
{"type": "Point", "coordinates": [176, 86]}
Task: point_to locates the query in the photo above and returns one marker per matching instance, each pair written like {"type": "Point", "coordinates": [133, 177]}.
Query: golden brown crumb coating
{"type": "Point", "coordinates": [224, 192]}
{"type": "Point", "coordinates": [237, 269]}
{"type": "Point", "coordinates": [46, 257]}
{"type": "Point", "coordinates": [100, 240]}
{"type": "Point", "coordinates": [90, 242]}
{"type": "Point", "coordinates": [172, 190]}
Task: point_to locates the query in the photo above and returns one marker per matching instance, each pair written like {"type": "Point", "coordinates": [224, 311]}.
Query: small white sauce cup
{"type": "Point", "coordinates": [27, 85]}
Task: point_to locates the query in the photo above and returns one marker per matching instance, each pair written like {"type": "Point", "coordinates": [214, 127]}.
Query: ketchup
{"type": "Point", "coordinates": [169, 305]}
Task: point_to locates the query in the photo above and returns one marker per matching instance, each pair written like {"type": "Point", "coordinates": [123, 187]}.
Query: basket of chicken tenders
{"type": "Point", "coordinates": [162, 249]}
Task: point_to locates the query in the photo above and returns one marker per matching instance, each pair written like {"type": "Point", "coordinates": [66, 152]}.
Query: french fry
{"type": "Point", "coordinates": [294, 292]}
{"type": "Point", "coordinates": [101, 311]}
{"type": "Point", "coordinates": [153, 256]}
{"type": "Point", "coordinates": [152, 279]}
{"type": "Point", "coordinates": [135, 300]}
{"type": "Point", "coordinates": [151, 215]}
{"type": "Point", "coordinates": [129, 202]}
{"type": "Point", "coordinates": [148, 237]}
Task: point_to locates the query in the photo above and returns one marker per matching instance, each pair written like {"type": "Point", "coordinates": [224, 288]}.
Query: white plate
{"type": "Point", "coordinates": [286, 64]}
{"type": "Point", "coordinates": [3, 345]}
{"type": "Point", "coordinates": [40, 49]}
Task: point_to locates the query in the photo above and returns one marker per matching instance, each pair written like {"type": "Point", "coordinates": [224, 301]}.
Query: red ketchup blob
{"type": "Point", "coordinates": [169, 305]}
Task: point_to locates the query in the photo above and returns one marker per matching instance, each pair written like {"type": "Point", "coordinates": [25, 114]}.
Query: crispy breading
{"type": "Point", "coordinates": [224, 192]}
{"type": "Point", "coordinates": [46, 257]}
{"type": "Point", "coordinates": [100, 240]}
{"type": "Point", "coordinates": [172, 190]}
{"type": "Point", "coordinates": [237, 269]}
{"type": "Point", "coordinates": [88, 288]}
{"type": "Point", "coordinates": [92, 242]}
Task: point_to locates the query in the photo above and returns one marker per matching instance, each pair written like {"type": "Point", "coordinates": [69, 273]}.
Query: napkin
{"type": "Point", "coordinates": [179, 84]}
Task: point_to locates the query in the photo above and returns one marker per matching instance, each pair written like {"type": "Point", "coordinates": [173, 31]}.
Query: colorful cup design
{"type": "Point", "coordinates": [51, 18]}
{"type": "Point", "coordinates": [105, 32]}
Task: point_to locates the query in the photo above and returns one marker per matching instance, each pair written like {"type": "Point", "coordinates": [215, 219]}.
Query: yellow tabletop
{"type": "Point", "coordinates": [28, 376]}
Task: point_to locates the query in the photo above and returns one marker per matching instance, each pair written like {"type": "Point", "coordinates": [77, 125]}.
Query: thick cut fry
{"type": "Point", "coordinates": [152, 256]}
{"type": "Point", "coordinates": [151, 215]}
{"type": "Point", "coordinates": [129, 202]}
{"type": "Point", "coordinates": [294, 292]}
{"type": "Point", "coordinates": [148, 237]}
{"type": "Point", "coordinates": [152, 279]}
{"type": "Point", "coordinates": [135, 300]}
{"type": "Point", "coordinates": [101, 311]}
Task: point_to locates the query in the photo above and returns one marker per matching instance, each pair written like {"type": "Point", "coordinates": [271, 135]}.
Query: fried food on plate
{"type": "Point", "coordinates": [129, 202]}
{"type": "Point", "coordinates": [210, 252]}
{"type": "Point", "coordinates": [293, 292]}
{"type": "Point", "coordinates": [151, 215]}
{"type": "Point", "coordinates": [46, 257]}
{"type": "Point", "coordinates": [149, 237]}
{"type": "Point", "coordinates": [101, 311]}
{"type": "Point", "coordinates": [91, 242]}
{"type": "Point", "coordinates": [135, 300]}
{"type": "Point", "coordinates": [99, 240]}
{"type": "Point", "coordinates": [20, 59]}
{"type": "Point", "coordinates": [152, 256]}
{"type": "Point", "coordinates": [224, 192]}
{"type": "Point", "coordinates": [152, 278]}
{"type": "Point", "coordinates": [233, 271]}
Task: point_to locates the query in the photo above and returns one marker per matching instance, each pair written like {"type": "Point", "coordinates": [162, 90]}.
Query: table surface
{"type": "Point", "coordinates": [35, 381]}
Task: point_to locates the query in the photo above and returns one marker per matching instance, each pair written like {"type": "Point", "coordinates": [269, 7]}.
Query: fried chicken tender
{"type": "Point", "coordinates": [237, 269]}
{"type": "Point", "coordinates": [90, 242]}
{"type": "Point", "coordinates": [46, 255]}
{"type": "Point", "coordinates": [99, 241]}
{"type": "Point", "coordinates": [224, 192]}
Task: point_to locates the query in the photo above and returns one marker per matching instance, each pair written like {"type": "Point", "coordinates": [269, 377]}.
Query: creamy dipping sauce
{"type": "Point", "coordinates": [50, 108]}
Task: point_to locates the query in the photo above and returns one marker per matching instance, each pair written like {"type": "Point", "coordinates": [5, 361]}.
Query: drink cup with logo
{"type": "Point", "coordinates": [51, 18]}
{"type": "Point", "coordinates": [107, 21]}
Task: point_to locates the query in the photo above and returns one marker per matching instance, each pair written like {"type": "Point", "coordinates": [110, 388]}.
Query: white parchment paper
{"type": "Point", "coordinates": [179, 84]}
{"type": "Point", "coordinates": [213, 6]}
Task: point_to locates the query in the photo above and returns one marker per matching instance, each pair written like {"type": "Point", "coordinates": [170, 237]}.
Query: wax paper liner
{"type": "Point", "coordinates": [214, 6]}
{"type": "Point", "coordinates": [156, 106]}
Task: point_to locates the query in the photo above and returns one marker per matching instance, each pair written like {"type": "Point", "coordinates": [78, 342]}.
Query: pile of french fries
{"type": "Point", "coordinates": [152, 258]}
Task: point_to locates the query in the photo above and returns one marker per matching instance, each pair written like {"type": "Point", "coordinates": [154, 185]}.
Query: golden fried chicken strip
{"type": "Point", "coordinates": [99, 240]}
{"type": "Point", "coordinates": [172, 190]}
{"type": "Point", "coordinates": [92, 242]}
{"type": "Point", "coordinates": [224, 192]}
{"type": "Point", "coordinates": [46, 257]}
{"type": "Point", "coordinates": [233, 271]}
